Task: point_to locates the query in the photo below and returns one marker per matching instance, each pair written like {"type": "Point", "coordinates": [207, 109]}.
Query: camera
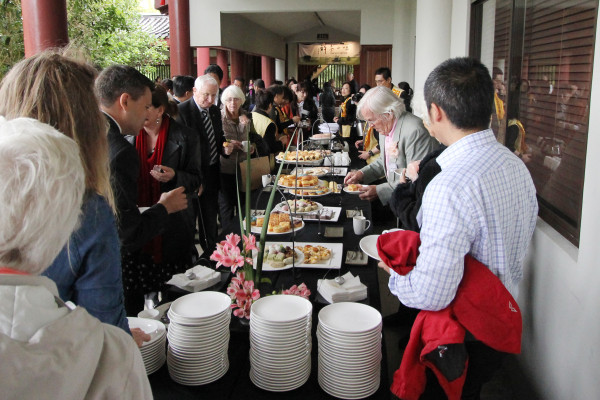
{"type": "Point", "coordinates": [356, 97]}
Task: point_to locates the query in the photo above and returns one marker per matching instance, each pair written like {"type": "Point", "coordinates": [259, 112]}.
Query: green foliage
{"type": "Point", "coordinates": [109, 30]}
{"type": "Point", "coordinates": [12, 48]}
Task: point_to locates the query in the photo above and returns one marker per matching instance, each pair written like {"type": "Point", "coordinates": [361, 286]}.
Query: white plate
{"type": "Point", "coordinates": [267, 267]}
{"type": "Point", "coordinates": [316, 171]}
{"type": "Point", "coordinates": [305, 162]}
{"type": "Point", "coordinates": [281, 308]}
{"type": "Point", "coordinates": [355, 191]}
{"type": "Point", "coordinates": [320, 194]}
{"type": "Point", "coordinates": [335, 215]}
{"type": "Point", "coordinates": [280, 207]}
{"type": "Point", "coordinates": [200, 305]}
{"type": "Point", "coordinates": [350, 318]}
{"type": "Point", "coordinates": [155, 329]}
{"type": "Point", "coordinates": [368, 244]}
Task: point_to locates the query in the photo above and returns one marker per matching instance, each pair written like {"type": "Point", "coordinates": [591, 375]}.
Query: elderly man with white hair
{"type": "Point", "coordinates": [200, 114]}
{"type": "Point", "coordinates": [403, 139]}
{"type": "Point", "coordinates": [50, 350]}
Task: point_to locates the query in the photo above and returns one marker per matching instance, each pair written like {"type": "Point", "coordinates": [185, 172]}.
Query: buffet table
{"type": "Point", "coordinates": [236, 384]}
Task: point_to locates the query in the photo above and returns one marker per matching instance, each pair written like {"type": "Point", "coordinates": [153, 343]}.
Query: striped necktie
{"type": "Point", "coordinates": [212, 142]}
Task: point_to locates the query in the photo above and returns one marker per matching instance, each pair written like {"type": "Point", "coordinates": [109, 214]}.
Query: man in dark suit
{"type": "Point", "coordinates": [200, 114]}
{"type": "Point", "coordinates": [125, 97]}
{"type": "Point", "coordinates": [217, 73]}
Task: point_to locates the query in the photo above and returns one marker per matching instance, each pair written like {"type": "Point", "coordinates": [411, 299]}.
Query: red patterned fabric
{"type": "Point", "coordinates": [482, 306]}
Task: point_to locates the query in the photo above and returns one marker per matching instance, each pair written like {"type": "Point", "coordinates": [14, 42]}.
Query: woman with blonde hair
{"type": "Point", "coordinates": [59, 91]}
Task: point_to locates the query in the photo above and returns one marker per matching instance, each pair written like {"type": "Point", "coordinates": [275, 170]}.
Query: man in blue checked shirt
{"type": "Point", "coordinates": [482, 203]}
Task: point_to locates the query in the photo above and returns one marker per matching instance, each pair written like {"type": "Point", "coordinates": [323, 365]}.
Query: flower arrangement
{"type": "Point", "coordinates": [242, 290]}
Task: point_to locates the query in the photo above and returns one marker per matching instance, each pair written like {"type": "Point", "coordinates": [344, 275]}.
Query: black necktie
{"type": "Point", "coordinates": [212, 142]}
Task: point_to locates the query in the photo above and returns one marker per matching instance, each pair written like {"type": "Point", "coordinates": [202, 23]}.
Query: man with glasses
{"type": "Point", "coordinates": [403, 139]}
{"type": "Point", "coordinates": [202, 115]}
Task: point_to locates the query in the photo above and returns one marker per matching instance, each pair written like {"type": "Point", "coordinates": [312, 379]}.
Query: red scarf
{"type": "Point", "coordinates": [149, 188]}
{"type": "Point", "coordinates": [10, 271]}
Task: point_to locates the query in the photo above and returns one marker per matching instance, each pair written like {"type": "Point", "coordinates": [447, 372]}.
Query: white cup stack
{"type": "Point", "coordinates": [349, 336]}
{"type": "Point", "coordinates": [280, 342]}
{"type": "Point", "coordinates": [199, 338]}
{"type": "Point", "coordinates": [153, 351]}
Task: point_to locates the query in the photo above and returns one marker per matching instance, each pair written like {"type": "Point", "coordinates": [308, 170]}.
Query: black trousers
{"type": "Point", "coordinates": [208, 210]}
{"type": "Point", "coordinates": [228, 202]}
{"type": "Point", "coordinates": [483, 363]}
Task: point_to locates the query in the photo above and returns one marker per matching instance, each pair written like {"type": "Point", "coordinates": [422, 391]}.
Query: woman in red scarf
{"type": "Point", "coordinates": [169, 158]}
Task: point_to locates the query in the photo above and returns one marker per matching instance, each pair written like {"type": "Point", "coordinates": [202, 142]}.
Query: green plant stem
{"type": "Point", "coordinates": [263, 233]}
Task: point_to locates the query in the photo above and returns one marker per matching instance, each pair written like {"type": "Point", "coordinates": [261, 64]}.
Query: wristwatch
{"type": "Point", "coordinates": [371, 153]}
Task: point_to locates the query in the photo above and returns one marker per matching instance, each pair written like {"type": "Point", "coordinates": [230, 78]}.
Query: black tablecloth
{"type": "Point", "coordinates": [236, 384]}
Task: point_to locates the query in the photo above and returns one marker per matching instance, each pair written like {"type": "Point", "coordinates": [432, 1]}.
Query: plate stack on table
{"type": "Point", "coordinates": [280, 342]}
{"type": "Point", "coordinates": [153, 352]}
{"type": "Point", "coordinates": [199, 338]}
{"type": "Point", "coordinates": [349, 336]}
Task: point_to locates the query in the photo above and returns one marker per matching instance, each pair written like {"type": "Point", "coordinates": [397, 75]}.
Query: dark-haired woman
{"type": "Point", "coordinates": [347, 119]}
{"type": "Point", "coordinates": [406, 95]}
{"type": "Point", "coordinates": [169, 158]}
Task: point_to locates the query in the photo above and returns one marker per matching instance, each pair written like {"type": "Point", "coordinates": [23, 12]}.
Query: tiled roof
{"type": "Point", "coordinates": [156, 24]}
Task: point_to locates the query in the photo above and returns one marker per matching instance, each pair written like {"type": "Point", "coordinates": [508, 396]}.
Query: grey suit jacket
{"type": "Point", "coordinates": [414, 143]}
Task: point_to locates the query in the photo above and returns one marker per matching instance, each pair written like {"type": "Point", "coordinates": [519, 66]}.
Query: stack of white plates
{"type": "Point", "coordinates": [280, 342]}
{"type": "Point", "coordinates": [199, 338]}
{"type": "Point", "coordinates": [153, 352]}
{"type": "Point", "coordinates": [349, 336]}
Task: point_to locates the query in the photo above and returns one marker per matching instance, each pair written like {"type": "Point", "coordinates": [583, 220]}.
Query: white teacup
{"type": "Point", "coordinates": [245, 146]}
{"type": "Point", "coordinates": [361, 224]}
{"type": "Point", "coordinates": [150, 314]}
{"type": "Point", "coordinates": [266, 179]}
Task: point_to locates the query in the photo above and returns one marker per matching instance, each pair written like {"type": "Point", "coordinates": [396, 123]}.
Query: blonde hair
{"type": "Point", "coordinates": [41, 193]}
{"type": "Point", "coordinates": [58, 89]}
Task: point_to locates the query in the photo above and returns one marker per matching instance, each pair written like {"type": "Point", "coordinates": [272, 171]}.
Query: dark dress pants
{"type": "Point", "coordinates": [209, 209]}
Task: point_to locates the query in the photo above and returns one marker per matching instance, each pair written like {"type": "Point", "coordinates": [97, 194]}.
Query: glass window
{"type": "Point", "coordinates": [542, 69]}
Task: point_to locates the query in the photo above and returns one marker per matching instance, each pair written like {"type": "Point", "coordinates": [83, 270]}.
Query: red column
{"type": "Point", "coordinates": [237, 64]}
{"type": "Point", "coordinates": [268, 69]}
{"type": "Point", "coordinates": [44, 25]}
{"type": "Point", "coordinates": [202, 59]}
{"type": "Point", "coordinates": [222, 62]}
{"type": "Point", "coordinates": [179, 32]}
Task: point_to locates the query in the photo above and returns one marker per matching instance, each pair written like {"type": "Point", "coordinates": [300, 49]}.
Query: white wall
{"type": "Point", "coordinates": [242, 34]}
{"type": "Point", "coordinates": [377, 16]}
{"type": "Point", "coordinates": [459, 34]}
{"type": "Point", "coordinates": [560, 295]}
{"type": "Point", "coordinates": [433, 29]}
{"type": "Point", "coordinates": [280, 70]}
{"type": "Point", "coordinates": [403, 51]}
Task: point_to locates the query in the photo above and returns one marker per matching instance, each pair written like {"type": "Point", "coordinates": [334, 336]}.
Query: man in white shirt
{"type": "Point", "coordinates": [482, 203]}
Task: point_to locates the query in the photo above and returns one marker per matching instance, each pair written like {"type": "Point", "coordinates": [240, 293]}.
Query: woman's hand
{"type": "Point", "coordinates": [384, 267]}
{"type": "Point", "coordinates": [165, 176]}
{"type": "Point", "coordinates": [139, 336]}
{"type": "Point", "coordinates": [296, 119]}
{"type": "Point", "coordinates": [412, 170]}
{"type": "Point", "coordinates": [358, 143]}
{"type": "Point", "coordinates": [335, 119]}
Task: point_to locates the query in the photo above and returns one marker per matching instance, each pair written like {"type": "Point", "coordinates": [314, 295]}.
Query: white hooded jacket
{"type": "Point", "coordinates": [50, 352]}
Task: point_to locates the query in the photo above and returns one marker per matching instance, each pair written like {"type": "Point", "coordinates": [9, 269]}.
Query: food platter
{"type": "Point", "coordinates": [320, 192]}
{"type": "Point", "coordinates": [316, 171]}
{"type": "Point", "coordinates": [302, 182]}
{"type": "Point", "coordinates": [276, 218]}
{"type": "Point", "coordinates": [269, 265]}
{"type": "Point", "coordinates": [299, 206]}
{"type": "Point", "coordinates": [302, 157]}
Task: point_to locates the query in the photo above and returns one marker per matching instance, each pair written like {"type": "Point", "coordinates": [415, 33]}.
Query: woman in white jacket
{"type": "Point", "coordinates": [47, 349]}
